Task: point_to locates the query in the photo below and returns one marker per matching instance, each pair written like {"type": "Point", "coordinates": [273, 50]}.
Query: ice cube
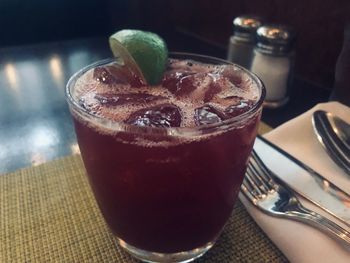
{"type": "Point", "coordinates": [117, 74]}
{"type": "Point", "coordinates": [180, 65]}
{"type": "Point", "coordinates": [214, 87]}
{"type": "Point", "coordinates": [233, 74]}
{"type": "Point", "coordinates": [101, 74]}
{"type": "Point", "coordinates": [188, 84]}
{"type": "Point", "coordinates": [208, 115]}
{"type": "Point", "coordinates": [164, 115]}
{"type": "Point", "coordinates": [172, 79]}
{"type": "Point", "coordinates": [109, 99]}
{"type": "Point", "coordinates": [196, 86]}
{"type": "Point", "coordinates": [82, 102]}
{"type": "Point", "coordinates": [240, 106]}
{"type": "Point", "coordinates": [232, 100]}
{"type": "Point", "coordinates": [88, 104]}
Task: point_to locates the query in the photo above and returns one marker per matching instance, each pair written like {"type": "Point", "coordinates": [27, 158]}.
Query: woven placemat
{"type": "Point", "coordinates": [48, 214]}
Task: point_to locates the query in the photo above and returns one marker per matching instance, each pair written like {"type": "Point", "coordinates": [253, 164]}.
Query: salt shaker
{"type": "Point", "coordinates": [273, 61]}
{"type": "Point", "coordinates": [341, 88]}
{"type": "Point", "coordinates": [242, 41]}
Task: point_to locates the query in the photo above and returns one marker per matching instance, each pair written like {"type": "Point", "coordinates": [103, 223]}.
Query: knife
{"type": "Point", "coordinates": [305, 181]}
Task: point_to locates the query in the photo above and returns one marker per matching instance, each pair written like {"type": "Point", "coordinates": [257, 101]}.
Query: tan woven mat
{"type": "Point", "coordinates": [48, 214]}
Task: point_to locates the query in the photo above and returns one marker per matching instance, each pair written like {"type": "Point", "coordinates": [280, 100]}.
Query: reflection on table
{"type": "Point", "coordinates": [35, 123]}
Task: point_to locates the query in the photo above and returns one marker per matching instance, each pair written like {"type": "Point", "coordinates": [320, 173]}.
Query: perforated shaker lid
{"type": "Point", "coordinates": [246, 25]}
{"type": "Point", "coordinates": [275, 38]}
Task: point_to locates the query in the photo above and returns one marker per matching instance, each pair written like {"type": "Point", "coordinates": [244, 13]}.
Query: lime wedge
{"type": "Point", "coordinates": [145, 53]}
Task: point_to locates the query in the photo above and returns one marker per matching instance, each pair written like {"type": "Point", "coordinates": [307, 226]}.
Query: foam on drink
{"type": "Point", "coordinates": [111, 92]}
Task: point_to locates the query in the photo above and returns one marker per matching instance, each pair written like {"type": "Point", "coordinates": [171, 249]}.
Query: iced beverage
{"type": "Point", "coordinates": [166, 162]}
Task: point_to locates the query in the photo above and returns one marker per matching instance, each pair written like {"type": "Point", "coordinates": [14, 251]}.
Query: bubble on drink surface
{"type": "Point", "coordinates": [117, 74]}
{"type": "Point", "coordinates": [111, 99]}
{"type": "Point", "coordinates": [164, 116]}
{"type": "Point", "coordinates": [208, 115]}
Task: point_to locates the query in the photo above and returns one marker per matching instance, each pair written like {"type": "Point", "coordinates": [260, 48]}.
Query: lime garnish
{"type": "Point", "coordinates": [144, 52]}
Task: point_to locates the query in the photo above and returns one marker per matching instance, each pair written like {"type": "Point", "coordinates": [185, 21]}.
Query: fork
{"type": "Point", "coordinates": [273, 197]}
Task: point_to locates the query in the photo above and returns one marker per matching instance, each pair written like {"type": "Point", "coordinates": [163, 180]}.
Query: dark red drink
{"type": "Point", "coordinates": [166, 163]}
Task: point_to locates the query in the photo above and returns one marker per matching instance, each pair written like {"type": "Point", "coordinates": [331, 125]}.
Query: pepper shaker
{"type": "Point", "coordinates": [242, 42]}
{"type": "Point", "coordinates": [273, 61]}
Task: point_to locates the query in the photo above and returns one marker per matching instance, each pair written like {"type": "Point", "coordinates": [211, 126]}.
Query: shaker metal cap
{"type": "Point", "coordinates": [275, 37]}
{"type": "Point", "coordinates": [247, 24]}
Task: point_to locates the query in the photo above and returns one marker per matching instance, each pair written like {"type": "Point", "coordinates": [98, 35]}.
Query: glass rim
{"type": "Point", "coordinates": [170, 130]}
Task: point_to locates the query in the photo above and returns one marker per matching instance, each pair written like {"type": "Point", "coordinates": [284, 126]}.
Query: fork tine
{"type": "Point", "coordinates": [261, 171]}
{"type": "Point", "coordinates": [253, 183]}
{"type": "Point", "coordinates": [248, 191]}
{"type": "Point", "coordinates": [255, 176]}
{"type": "Point", "coordinates": [257, 183]}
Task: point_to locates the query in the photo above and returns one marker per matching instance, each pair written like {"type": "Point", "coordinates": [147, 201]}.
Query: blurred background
{"type": "Point", "coordinates": [43, 43]}
{"type": "Point", "coordinates": [319, 24]}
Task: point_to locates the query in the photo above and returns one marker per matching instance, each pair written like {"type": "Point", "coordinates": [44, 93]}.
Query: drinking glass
{"type": "Point", "coordinates": [166, 193]}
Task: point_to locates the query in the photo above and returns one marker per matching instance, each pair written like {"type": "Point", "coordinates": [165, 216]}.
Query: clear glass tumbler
{"type": "Point", "coordinates": [169, 199]}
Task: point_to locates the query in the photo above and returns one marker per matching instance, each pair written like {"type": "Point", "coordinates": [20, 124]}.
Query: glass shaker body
{"type": "Point", "coordinates": [240, 51]}
{"type": "Point", "coordinates": [273, 62]}
{"type": "Point", "coordinates": [276, 71]}
{"type": "Point", "coordinates": [242, 42]}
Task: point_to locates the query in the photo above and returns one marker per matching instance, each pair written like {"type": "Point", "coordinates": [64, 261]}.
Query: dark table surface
{"type": "Point", "coordinates": [35, 124]}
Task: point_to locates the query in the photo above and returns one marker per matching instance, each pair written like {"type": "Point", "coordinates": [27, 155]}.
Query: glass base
{"type": "Point", "coordinates": [155, 257]}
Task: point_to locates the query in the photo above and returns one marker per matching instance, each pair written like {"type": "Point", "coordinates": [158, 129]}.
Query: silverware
{"type": "Point", "coordinates": [304, 180]}
{"type": "Point", "coordinates": [334, 135]}
{"type": "Point", "coordinates": [271, 196]}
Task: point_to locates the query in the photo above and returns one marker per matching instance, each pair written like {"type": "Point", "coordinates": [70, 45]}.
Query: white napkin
{"type": "Point", "coordinates": [299, 242]}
